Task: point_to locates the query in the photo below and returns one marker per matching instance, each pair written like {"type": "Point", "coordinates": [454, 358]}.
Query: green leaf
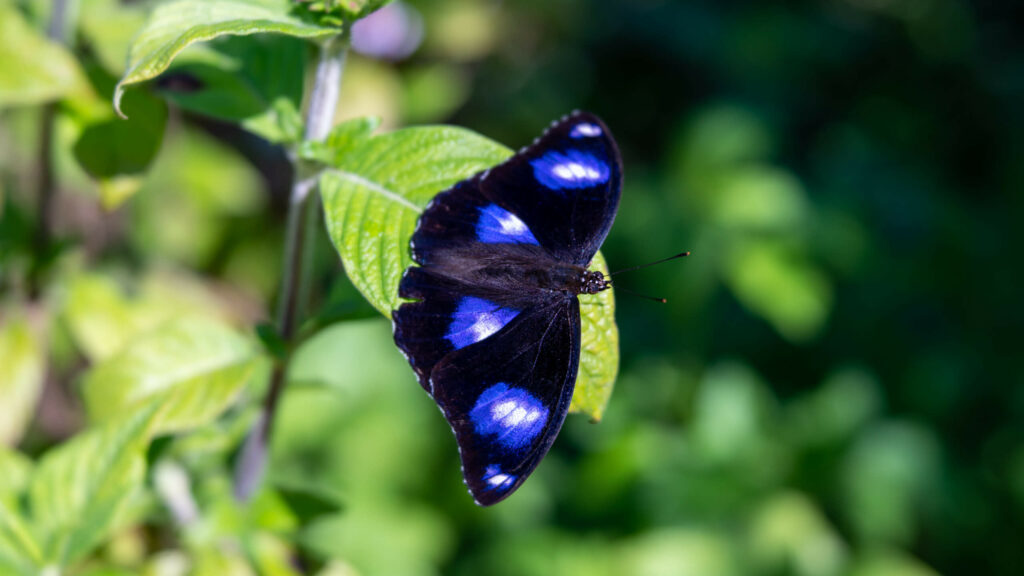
{"type": "Point", "coordinates": [193, 367]}
{"type": "Point", "coordinates": [374, 194]}
{"type": "Point", "coordinates": [256, 81]}
{"type": "Point", "coordinates": [33, 69]}
{"type": "Point", "coordinates": [781, 286]}
{"type": "Point", "coordinates": [15, 470]}
{"type": "Point", "coordinates": [81, 488]}
{"type": "Point", "coordinates": [19, 552]}
{"type": "Point", "coordinates": [109, 27]}
{"type": "Point", "coordinates": [599, 353]}
{"type": "Point", "coordinates": [337, 11]}
{"type": "Point", "coordinates": [176, 25]}
{"type": "Point", "coordinates": [307, 503]}
{"type": "Point", "coordinates": [102, 318]}
{"type": "Point", "coordinates": [343, 137]}
{"type": "Point", "coordinates": [117, 152]}
{"type": "Point", "coordinates": [21, 379]}
{"type": "Point", "coordinates": [377, 189]}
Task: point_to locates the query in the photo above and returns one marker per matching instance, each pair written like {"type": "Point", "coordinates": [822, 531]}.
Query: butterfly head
{"type": "Point", "coordinates": [593, 282]}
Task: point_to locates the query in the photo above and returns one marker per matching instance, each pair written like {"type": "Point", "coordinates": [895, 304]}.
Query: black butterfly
{"type": "Point", "coordinates": [494, 333]}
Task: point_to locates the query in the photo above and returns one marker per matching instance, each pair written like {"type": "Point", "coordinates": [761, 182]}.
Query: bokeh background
{"type": "Point", "coordinates": [834, 387]}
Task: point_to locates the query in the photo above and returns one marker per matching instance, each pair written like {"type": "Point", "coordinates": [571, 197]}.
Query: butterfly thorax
{"type": "Point", "coordinates": [509, 272]}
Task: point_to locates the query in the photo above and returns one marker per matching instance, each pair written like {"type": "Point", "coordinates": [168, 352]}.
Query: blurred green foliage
{"type": "Point", "coordinates": [833, 389]}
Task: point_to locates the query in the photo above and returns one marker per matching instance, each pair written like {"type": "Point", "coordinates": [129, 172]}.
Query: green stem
{"type": "Point", "coordinates": [303, 212]}
{"type": "Point", "coordinates": [45, 180]}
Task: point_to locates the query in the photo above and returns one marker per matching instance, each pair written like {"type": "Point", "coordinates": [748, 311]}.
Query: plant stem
{"type": "Point", "coordinates": [303, 212]}
{"type": "Point", "coordinates": [45, 180]}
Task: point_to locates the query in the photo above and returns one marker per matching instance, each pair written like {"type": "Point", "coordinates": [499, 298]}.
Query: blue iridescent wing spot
{"type": "Point", "coordinates": [499, 226]}
{"type": "Point", "coordinates": [570, 169]}
{"type": "Point", "coordinates": [496, 479]}
{"type": "Point", "coordinates": [585, 130]}
{"type": "Point", "coordinates": [475, 319]}
{"type": "Point", "coordinates": [513, 416]}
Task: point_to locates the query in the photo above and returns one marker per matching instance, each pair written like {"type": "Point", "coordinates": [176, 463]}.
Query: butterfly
{"type": "Point", "coordinates": [493, 328]}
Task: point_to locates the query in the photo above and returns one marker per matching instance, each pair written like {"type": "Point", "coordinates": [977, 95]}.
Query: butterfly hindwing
{"type": "Point", "coordinates": [507, 396]}
{"type": "Point", "coordinates": [446, 316]}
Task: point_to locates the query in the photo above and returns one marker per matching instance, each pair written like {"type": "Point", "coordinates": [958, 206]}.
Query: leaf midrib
{"type": "Point", "coordinates": [374, 187]}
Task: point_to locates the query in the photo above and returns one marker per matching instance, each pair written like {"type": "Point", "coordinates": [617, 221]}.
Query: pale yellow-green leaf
{"type": "Point", "coordinates": [102, 318]}
{"type": "Point", "coordinates": [176, 25]}
{"type": "Point", "coordinates": [81, 488]}
{"type": "Point", "coordinates": [599, 351]}
{"type": "Point", "coordinates": [193, 367]}
{"type": "Point", "coordinates": [15, 470]}
{"type": "Point", "coordinates": [33, 69]}
{"type": "Point", "coordinates": [109, 28]}
{"type": "Point", "coordinates": [19, 552]}
{"type": "Point", "coordinates": [21, 379]}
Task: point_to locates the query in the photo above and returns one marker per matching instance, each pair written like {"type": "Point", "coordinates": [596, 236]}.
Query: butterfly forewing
{"type": "Point", "coordinates": [565, 186]}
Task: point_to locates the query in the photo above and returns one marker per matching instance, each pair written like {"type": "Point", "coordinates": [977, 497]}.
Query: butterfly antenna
{"type": "Point", "coordinates": [644, 296]}
{"type": "Point", "coordinates": [663, 260]}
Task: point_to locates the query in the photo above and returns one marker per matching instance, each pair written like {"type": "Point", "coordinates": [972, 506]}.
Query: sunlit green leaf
{"type": "Point", "coordinates": [15, 470]}
{"type": "Point", "coordinates": [102, 317]}
{"type": "Point", "coordinates": [21, 379]}
{"type": "Point", "coordinates": [33, 69]}
{"type": "Point", "coordinates": [195, 368]}
{"type": "Point", "coordinates": [176, 25]}
{"type": "Point", "coordinates": [375, 192]}
{"type": "Point", "coordinates": [109, 27]}
{"type": "Point", "coordinates": [19, 552]}
{"type": "Point", "coordinates": [81, 488]}
{"type": "Point", "coordinates": [599, 356]}
{"type": "Point", "coordinates": [341, 10]}
{"type": "Point", "coordinates": [373, 195]}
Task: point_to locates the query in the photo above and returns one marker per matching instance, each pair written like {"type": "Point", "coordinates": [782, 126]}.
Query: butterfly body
{"type": "Point", "coordinates": [493, 331]}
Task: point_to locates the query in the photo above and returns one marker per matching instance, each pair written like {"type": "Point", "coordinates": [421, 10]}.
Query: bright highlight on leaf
{"type": "Point", "coordinates": [21, 379]}
{"type": "Point", "coordinates": [192, 367]}
{"type": "Point", "coordinates": [375, 188]}
{"type": "Point", "coordinates": [33, 69]}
